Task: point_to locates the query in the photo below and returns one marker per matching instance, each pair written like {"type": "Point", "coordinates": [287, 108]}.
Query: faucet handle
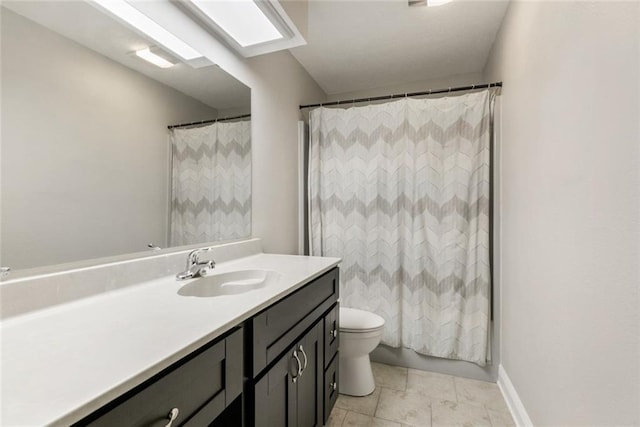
{"type": "Point", "coordinates": [205, 268]}
{"type": "Point", "coordinates": [194, 255]}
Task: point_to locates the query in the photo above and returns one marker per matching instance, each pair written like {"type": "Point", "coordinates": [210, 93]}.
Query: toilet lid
{"type": "Point", "coordinates": [354, 320]}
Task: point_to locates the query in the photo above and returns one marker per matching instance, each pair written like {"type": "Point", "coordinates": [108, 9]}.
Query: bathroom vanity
{"type": "Point", "coordinates": [289, 381]}
{"type": "Point", "coordinates": [153, 354]}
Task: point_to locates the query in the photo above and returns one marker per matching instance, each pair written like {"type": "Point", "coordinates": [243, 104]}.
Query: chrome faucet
{"type": "Point", "coordinates": [195, 268]}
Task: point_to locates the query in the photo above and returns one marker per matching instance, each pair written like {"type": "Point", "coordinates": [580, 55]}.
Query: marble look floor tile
{"type": "Point", "coordinates": [337, 417]}
{"type": "Point", "coordinates": [354, 419]}
{"type": "Point", "coordinates": [501, 419]}
{"type": "Point", "coordinates": [480, 393]}
{"type": "Point", "coordinates": [407, 407]}
{"type": "Point", "coordinates": [445, 413]}
{"type": "Point", "coordinates": [433, 385]}
{"type": "Point", "coordinates": [363, 405]}
{"type": "Point", "coordinates": [394, 377]}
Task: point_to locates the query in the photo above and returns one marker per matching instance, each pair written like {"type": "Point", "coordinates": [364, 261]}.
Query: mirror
{"type": "Point", "coordinates": [89, 168]}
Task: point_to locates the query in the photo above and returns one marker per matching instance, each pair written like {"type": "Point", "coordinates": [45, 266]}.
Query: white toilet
{"type": "Point", "coordinates": [360, 333]}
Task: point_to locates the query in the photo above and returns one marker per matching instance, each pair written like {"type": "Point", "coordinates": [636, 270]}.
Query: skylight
{"type": "Point", "coordinates": [242, 20]}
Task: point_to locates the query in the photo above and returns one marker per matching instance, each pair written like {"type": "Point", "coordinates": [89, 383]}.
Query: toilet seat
{"type": "Point", "coordinates": [353, 320]}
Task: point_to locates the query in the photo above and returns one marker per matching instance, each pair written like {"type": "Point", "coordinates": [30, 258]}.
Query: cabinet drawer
{"type": "Point", "coordinates": [331, 388]}
{"type": "Point", "coordinates": [200, 386]}
{"type": "Point", "coordinates": [331, 334]}
{"type": "Point", "coordinates": [276, 328]}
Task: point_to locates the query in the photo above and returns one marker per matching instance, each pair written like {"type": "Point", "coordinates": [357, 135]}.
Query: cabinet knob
{"type": "Point", "coordinates": [333, 386]}
{"type": "Point", "coordinates": [172, 416]}
{"type": "Point", "coordinates": [333, 333]}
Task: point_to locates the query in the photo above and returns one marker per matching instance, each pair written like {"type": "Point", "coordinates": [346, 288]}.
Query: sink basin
{"type": "Point", "coordinates": [229, 283]}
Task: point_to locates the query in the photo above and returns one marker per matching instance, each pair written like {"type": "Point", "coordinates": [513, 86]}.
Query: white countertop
{"type": "Point", "coordinates": [62, 363]}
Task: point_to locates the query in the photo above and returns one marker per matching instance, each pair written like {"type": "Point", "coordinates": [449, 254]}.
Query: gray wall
{"type": "Point", "coordinates": [570, 207]}
{"type": "Point", "coordinates": [417, 86]}
{"type": "Point", "coordinates": [85, 150]}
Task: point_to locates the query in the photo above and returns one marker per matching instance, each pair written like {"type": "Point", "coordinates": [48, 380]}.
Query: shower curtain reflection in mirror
{"type": "Point", "coordinates": [211, 183]}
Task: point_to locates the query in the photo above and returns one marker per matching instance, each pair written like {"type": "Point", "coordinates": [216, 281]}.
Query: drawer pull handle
{"type": "Point", "coordinates": [299, 371]}
{"type": "Point", "coordinates": [333, 333]}
{"type": "Point", "coordinates": [333, 386]}
{"type": "Point", "coordinates": [172, 416]}
{"type": "Point", "coordinates": [305, 359]}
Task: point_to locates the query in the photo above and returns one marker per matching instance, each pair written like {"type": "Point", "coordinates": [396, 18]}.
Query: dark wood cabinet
{"type": "Point", "coordinates": [277, 369]}
{"type": "Point", "coordinates": [275, 394]}
{"type": "Point", "coordinates": [295, 346]}
{"type": "Point", "coordinates": [331, 334]}
{"type": "Point", "coordinates": [273, 330]}
{"type": "Point", "coordinates": [290, 392]}
{"type": "Point", "coordinates": [331, 388]}
{"type": "Point", "coordinates": [309, 392]}
{"type": "Point", "coordinates": [198, 388]}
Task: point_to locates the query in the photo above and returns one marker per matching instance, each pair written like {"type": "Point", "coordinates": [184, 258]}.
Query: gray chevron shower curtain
{"type": "Point", "coordinates": [401, 192]}
{"type": "Point", "coordinates": [211, 183]}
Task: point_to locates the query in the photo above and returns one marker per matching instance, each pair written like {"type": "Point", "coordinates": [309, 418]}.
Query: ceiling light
{"type": "Point", "coordinates": [157, 60]}
{"type": "Point", "coordinates": [242, 20]}
{"type": "Point", "coordinates": [428, 2]}
{"type": "Point", "coordinates": [143, 23]}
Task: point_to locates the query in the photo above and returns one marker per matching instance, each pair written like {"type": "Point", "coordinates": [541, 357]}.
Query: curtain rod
{"type": "Point", "coordinates": [204, 122]}
{"type": "Point", "coordinates": [405, 95]}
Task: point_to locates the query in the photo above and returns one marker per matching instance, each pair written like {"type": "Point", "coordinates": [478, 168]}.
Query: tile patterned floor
{"type": "Point", "coordinates": [409, 397]}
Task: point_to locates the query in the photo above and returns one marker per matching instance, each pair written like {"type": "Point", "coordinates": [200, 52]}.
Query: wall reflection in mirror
{"type": "Point", "coordinates": [89, 168]}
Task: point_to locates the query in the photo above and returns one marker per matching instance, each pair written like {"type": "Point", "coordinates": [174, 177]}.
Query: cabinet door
{"type": "Point", "coordinates": [331, 389]}
{"type": "Point", "coordinates": [275, 394]}
{"type": "Point", "coordinates": [309, 384]}
{"type": "Point", "coordinates": [331, 334]}
{"type": "Point", "coordinates": [290, 393]}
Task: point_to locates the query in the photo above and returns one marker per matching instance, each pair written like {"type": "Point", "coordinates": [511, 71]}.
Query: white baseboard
{"type": "Point", "coordinates": [518, 411]}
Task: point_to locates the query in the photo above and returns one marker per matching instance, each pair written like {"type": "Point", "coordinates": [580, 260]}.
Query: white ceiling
{"type": "Point", "coordinates": [357, 45]}
{"type": "Point", "coordinates": [86, 25]}
{"type": "Point", "coordinates": [352, 44]}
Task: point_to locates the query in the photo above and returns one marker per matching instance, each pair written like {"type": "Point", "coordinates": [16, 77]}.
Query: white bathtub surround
{"type": "Point", "coordinates": [64, 361]}
{"type": "Point", "coordinates": [401, 192]}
